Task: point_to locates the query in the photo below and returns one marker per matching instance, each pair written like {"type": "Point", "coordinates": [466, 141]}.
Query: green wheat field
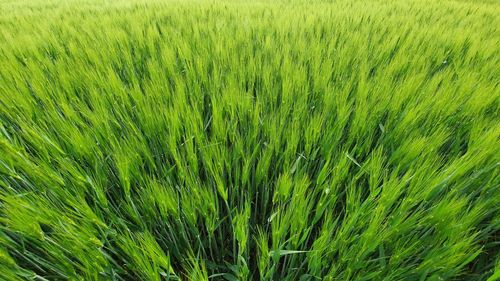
{"type": "Point", "coordinates": [250, 140]}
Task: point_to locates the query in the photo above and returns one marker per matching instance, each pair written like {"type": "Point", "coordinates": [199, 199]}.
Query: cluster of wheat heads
{"type": "Point", "coordinates": [249, 140]}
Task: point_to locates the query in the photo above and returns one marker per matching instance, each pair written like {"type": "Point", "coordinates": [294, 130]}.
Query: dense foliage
{"type": "Point", "coordinates": [249, 140]}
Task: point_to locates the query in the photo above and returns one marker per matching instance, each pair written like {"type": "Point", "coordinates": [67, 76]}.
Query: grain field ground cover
{"type": "Point", "coordinates": [249, 140]}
